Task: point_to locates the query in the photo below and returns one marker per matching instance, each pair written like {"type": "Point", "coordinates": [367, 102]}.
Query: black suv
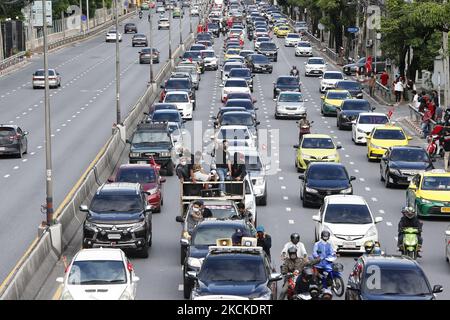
{"type": "Point", "coordinates": [236, 271]}
{"type": "Point", "coordinates": [258, 63]}
{"type": "Point", "coordinates": [195, 244]}
{"type": "Point", "coordinates": [269, 49]}
{"type": "Point", "coordinates": [130, 27]}
{"type": "Point", "coordinates": [399, 165]}
{"type": "Point", "coordinates": [349, 111]}
{"type": "Point", "coordinates": [152, 139]}
{"type": "Point", "coordinates": [213, 27]}
{"type": "Point", "coordinates": [351, 86]}
{"type": "Point", "coordinates": [399, 278]}
{"type": "Point", "coordinates": [13, 140]}
{"type": "Point", "coordinates": [286, 83]}
{"type": "Point", "coordinates": [119, 216]}
{"type": "Point", "coordinates": [322, 179]}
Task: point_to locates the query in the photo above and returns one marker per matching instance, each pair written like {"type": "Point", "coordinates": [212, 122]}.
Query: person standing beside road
{"type": "Point", "coordinates": [264, 240]}
{"type": "Point", "coordinates": [446, 144]}
{"type": "Point", "coordinates": [372, 82]}
{"type": "Point", "coordinates": [398, 88]}
{"type": "Point", "coordinates": [223, 162]}
{"type": "Point", "coordinates": [384, 78]}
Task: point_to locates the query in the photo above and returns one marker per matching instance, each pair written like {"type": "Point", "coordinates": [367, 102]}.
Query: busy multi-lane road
{"type": "Point", "coordinates": [82, 115]}
{"type": "Point", "coordinates": [161, 274]}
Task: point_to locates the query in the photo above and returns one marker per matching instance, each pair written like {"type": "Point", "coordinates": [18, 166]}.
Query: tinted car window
{"type": "Point", "coordinates": [230, 66]}
{"type": "Point", "coordinates": [373, 119]}
{"type": "Point", "coordinates": [327, 173]}
{"type": "Point", "coordinates": [208, 54]}
{"type": "Point", "coordinates": [166, 117]}
{"type": "Point", "coordinates": [235, 83]}
{"type": "Point", "coordinates": [356, 105]}
{"type": "Point", "coordinates": [6, 132]}
{"type": "Point", "coordinates": [337, 95]}
{"type": "Point", "coordinates": [240, 269]}
{"type": "Point", "coordinates": [348, 85]}
{"type": "Point", "coordinates": [436, 183]}
{"type": "Point", "coordinates": [389, 134]}
{"type": "Point", "coordinates": [348, 214]}
{"type": "Point", "coordinates": [177, 84]}
{"type": "Point", "coordinates": [317, 143]}
{"type": "Point", "coordinates": [177, 98]}
{"type": "Point", "coordinates": [116, 203]}
{"type": "Point", "coordinates": [316, 61]}
{"type": "Point", "coordinates": [40, 73]}
{"type": "Point", "coordinates": [240, 73]}
{"type": "Point", "coordinates": [136, 175]}
{"type": "Point", "coordinates": [333, 75]}
{"type": "Point", "coordinates": [97, 273]}
{"type": "Point", "coordinates": [237, 119]}
{"type": "Point", "coordinates": [247, 104]}
{"type": "Point", "coordinates": [268, 46]}
{"type": "Point", "coordinates": [260, 59]}
{"type": "Point", "coordinates": [287, 97]}
{"type": "Point", "coordinates": [287, 81]}
{"type": "Point", "coordinates": [410, 155]}
{"type": "Point", "coordinates": [192, 54]}
{"type": "Point", "coordinates": [233, 134]}
{"type": "Point", "coordinates": [304, 45]}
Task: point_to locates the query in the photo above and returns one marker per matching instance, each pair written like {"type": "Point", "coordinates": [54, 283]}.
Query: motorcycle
{"type": "Point", "coordinates": [435, 146]}
{"type": "Point", "coordinates": [333, 275]}
{"type": "Point", "coordinates": [291, 279]}
{"type": "Point", "coordinates": [295, 73]}
{"type": "Point", "coordinates": [304, 129]}
{"type": "Point", "coordinates": [140, 14]}
{"type": "Point", "coordinates": [410, 245]}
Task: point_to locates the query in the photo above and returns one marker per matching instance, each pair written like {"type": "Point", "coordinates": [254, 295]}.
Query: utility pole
{"type": "Point", "coordinates": [151, 47]}
{"type": "Point", "coordinates": [446, 64]}
{"type": "Point", "coordinates": [181, 34]}
{"type": "Point", "coordinates": [118, 116]}
{"type": "Point", "coordinates": [81, 15]}
{"type": "Point", "coordinates": [87, 14]}
{"type": "Point", "coordinates": [48, 144]}
{"type": "Point", "coordinates": [359, 32]}
{"type": "Point", "coordinates": [170, 35]}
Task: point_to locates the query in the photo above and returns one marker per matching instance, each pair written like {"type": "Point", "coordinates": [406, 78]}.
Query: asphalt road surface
{"type": "Point", "coordinates": [161, 274]}
{"type": "Point", "coordinates": [83, 111]}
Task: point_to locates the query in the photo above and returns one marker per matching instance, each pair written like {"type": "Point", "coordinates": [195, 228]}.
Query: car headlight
{"type": "Point", "coordinates": [66, 295]}
{"type": "Point", "coordinates": [331, 157]}
{"type": "Point", "coordinates": [425, 201]}
{"type": "Point", "coordinates": [360, 130]}
{"type": "Point", "coordinates": [125, 295]}
{"type": "Point", "coordinates": [395, 171]}
{"type": "Point", "coordinates": [137, 226]}
{"type": "Point", "coordinates": [91, 226]}
{"type": "Point", "coordinates": [259, 182]}
{"type": "Point", "coordinates": [372, 232]}
{"type": "Point", "coordinates": [346, 191]}
{"type": "Point", "coordinates": [311, 190]}
{"type": "Point", "coordinates": [164, 154]}
{"type": "Point", "coordinates": [134, 154]}
{"type": "Point", "coordinates": [194, 262]}
{"type": "Point", "coordinates": [265, 296]}
{"type": "Point", "coordinates": [306, 156]}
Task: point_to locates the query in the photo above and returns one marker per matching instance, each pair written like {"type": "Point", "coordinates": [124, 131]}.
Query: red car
{"type": "Point", "coordinates": [148, 176]}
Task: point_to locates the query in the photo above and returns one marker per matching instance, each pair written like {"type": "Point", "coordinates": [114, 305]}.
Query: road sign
{"type": "Point", "coordinates": [37, 14]}
{"type": "Point", "coordinates": [83, 18]}
{"type": "Point", "coordinates": [353, 29]}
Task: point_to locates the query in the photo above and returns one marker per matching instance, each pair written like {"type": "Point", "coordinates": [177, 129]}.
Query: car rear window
{"type": "Point", "coordinates": [317, 143]}
{"type": "Point", "coordinates": [176, 98]}
{"type": "Point", "coordinates": [6, 132]}
{"type": "Point", "coordinates": [389, 134]}
{"type": "Point", "coordinates": [133, 175]}
{"type": "Point", "coordinates": [40, 73]}
{"type": "Point", "coordinates": [235, 83]}
{"type": "Point", "coordinates": [327, 173]}
{"type": "Point", "coordinates": [356, 105]}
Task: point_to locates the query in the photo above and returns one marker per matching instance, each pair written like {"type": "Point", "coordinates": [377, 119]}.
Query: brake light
{"type": "Point", "coordinates": [14, 137]}
{"type": "Point", "coordinates": [129, 267]}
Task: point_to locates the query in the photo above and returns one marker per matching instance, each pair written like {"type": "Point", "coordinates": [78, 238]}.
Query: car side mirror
{"type": "Point", "coordinates": [447, 233]}
{"type": "Point", "coordinates": [275, 277]}
{"type": "Point", "coordinates": [84, 208]}
{"type": "Point", "coordinates": [221, 85]}
{"type": "Point", "coordinates": [339, 147]}
{"type": "Point", "coordinates": [345, 78]}
{"type": "Point", "coordinates": [316, 218]}
{"type": "Point", "coordinates": [148, 208]}
{"type": "Point", "coordinates": [179, 219]}
{"type": "Point", "coordinates": [296, 146]}
{"type": "Point", "coordinates": [128, 141]}
{"type": "Point", "coordinates": [378, 219]}
{"type": "Point", "coordinates": [192, 275]}
{"type": "Point", "coordinates": [352, 178]}
{"type": "Point", "coordinates": [353, 122]}
{"type": "Point", "coordinates": [140, 52]}
{"type": "Point", "coordinates": [437, 288]}
{"type": "Point", "coordinates": [373, 108]}
{"type": "Point", "coordinates": [409, 138]}
{"type": "Point", "coordinates": [25, 133]}
{"type": "Point", "coordinates": [162, 180]}
{"type": "Point", "coordinates": [301, 177]}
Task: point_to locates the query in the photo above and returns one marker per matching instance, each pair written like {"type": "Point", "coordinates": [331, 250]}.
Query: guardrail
{"type": "Point", "coordinates": [15, 59]}
{"type": "Point", "coordinates": [384, 92]}
{"type": "Point", "coordinates": [33, 269]}
{"type": "Point", "coordinates": [416, 116]}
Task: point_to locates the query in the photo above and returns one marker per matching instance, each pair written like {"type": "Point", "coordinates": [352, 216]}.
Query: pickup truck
{"type": "Point", "coordinates": [351, 68]}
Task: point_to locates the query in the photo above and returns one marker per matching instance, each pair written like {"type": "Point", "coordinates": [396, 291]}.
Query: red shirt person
{"type": "Point", "coordinates": [384, 78]}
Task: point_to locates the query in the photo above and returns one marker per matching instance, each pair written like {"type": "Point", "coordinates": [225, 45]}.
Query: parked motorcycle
{"type": "Point", "coordinates": [410, 245]}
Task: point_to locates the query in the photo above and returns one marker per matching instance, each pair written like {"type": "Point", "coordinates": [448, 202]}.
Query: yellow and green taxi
{"type": "Point", "coordinates": [231, 53]}
{"type": "Point", "coordinates": [429, 193]}
{"type": "Point", "coordinates": [277, 25]}
{"type": "Point", "coordinates": [145, 6]}
{"type": "Point", "coordinates": [283, 31]}
{"type": "Point", "coordinates": [383, 137]}
{"type": "Point", "coordinates": [333, 99]}
{"type": "Point", "coordinates": [315, 148]}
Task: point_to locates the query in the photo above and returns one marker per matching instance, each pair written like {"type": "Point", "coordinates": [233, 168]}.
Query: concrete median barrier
{"type": "Point", "coordinates": [34, 267]}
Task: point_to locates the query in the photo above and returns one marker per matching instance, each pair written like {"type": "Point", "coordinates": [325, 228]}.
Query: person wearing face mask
{"type": "Point", "coordinates": [184, 169]}
{"type": "Point", "coordinates": [295, 242]}
{"type": "Point", "coordinates": [264, 240]}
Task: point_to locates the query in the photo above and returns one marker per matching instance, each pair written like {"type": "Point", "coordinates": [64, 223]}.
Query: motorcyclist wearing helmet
{"type": "Point", "coordinates": [293, 264]}
{"type": "Point", "coordinates": [295, 242]}
{"type": "Point", "coordinates": [325, 251]}
{"type": "Point", "coordinates": [409, 220]}
{"type": "Point", "coordinates": [369, 247]}
{"type": "Point", "coordinates": [294, 71]}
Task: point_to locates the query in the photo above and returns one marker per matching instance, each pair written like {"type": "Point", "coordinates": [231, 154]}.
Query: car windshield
{"type": "Point", "coordinates": [317, 143]}
{"type": "Point", "coordinates": [139, 36]}
{"type": "Point", "coordinates": [436, 183]}
{"type": "Point", "coordinates": [409, 155]}
{"type": "Point", "coordinates": [176, 98]}
{"type": "Point", "coordinates": [186, 69]}
{"type": "Point", "coordinates": [233, 51]}
{"type": "Point", "coordinates": [147, 50]}
{"type": "Point", "coordinates": [198, 47]}
{"type": "Point", "coordinates": [396, 281]}
{"type": "Point", "coordinates": [116, 203]}
{"type": "Point", "coordinates": [348, 85]}
{"type": "Point", "coordinates": [233, 134]}
{"type": "Point", "coordinates": [291, 97]}
{"type": "Point", "coordinates": [136, 175]}
{"type": "Point", "coordinates": [333, 75]}
{"type": "Point", "coordinates": [304, 45]}
{"type": "Point", "coordinates": [373, 119]}
{"type": "Point", "coordinates": [166, 117]}
{"type": "Point", "coordinates": [230, 66]}
{"type": "Point", "coordinates": [263, 39]}
{"type": "Point", "coordinates": [208, 54]}
{"type": "Point", "coordinates": [97, 272]}
{"type": "Point", "coordinates": [268, 46]}
{"type": "Point", "coordinates": [293, 35]}
{"type": "Point", "coordinates": [213, 26]}
{"type": "Point", "coordinates": [316, 61]}
{"type": "Point", "coordinates": [221, 211]}
{"type": "Point", "coordinates": [194, 55]}
{"type": "Point", "coordinates": [347, 214]}
{"type": "Point", "coordinates": [237, 119]}
{"type": "Point", "coordinates": [288, 81]}
{"type": "Point", "coordinates": [149, 137]}
{"type": "Point", "coordinates": [387, 134]}
{"type": "Point", "coordinates": [260, 59]}
{"type": "Point", "coordinates": [353, 105]}
{"type": "Point", "coordinates": [253, 163]}
{"type": "Point", "coordinates": [240, 73]}
{"type": "Point", "coordinates": [207, 235]}
{"type": "Point", "coordinates": [338, 95]}
{"type": "Point", "coordinates": [240, 268]}
{"type": "Point", "coordinates": [177, 84]}
{"type": "Point", "coordinates": [235, 83]}
{"type": "Point", "coordinates": [327, 173]}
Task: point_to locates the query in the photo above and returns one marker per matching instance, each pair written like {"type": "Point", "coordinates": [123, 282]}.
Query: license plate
{"type": "Point", "coordinates": [349, 245]}
{"type": "Point", "coordinates": [409, 178]}
{"type": "Point", "coordinates": [114, 236]}
{"type": "Point", "coordinates": [2, 148]}
{"type": "Point", "coordinates": [263, 68]}
{"type": "Point", "coordinates": [142, 162]}
{"type": "Point", "coordinates": [315, 71]}
{"type": "Point", "coordinates": [445, 209]}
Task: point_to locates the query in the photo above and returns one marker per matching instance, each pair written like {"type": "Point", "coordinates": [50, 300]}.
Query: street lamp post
{"type": "Point", "coordinates": [118, 115]}
{"type": "Point", "coordinates": [170, 35]}
{"type": "Point", "coordinates": [190, 22]}
{"type": "Point", "coordinates": [151, 47]}
{"type": "Point", "coordinates": [181, 34]}
{"type": "Point", "coordinates": [87, 14]}
{"type": "Point", "coordinates": [48, 144]}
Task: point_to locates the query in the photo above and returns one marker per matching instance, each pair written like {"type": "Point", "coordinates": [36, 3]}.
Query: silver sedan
{"type": "Point", "coordinates": [38, 80]}
{"type": "Point", "coordinates": [290, 104]}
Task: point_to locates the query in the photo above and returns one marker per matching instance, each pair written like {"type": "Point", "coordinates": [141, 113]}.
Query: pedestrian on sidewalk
{"type": "Point", "coordinates": [435, 97]}
{"type": "Point", "coordinates": [384, 78]}
{"type": "Point", "coordinates": [425, 126]}
{"type": "Point", "coordinates": [446, 144]}
{"type": "Point", "coordinates": [372, 82]}
{"type": "Point", "coordinates": [415, 100]}
{"type": "Point", "coordinates": [438, 114]}
{"type": "Point", "coordinates": [398, 88]}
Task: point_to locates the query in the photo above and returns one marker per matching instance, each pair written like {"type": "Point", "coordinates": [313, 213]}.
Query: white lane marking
{"type": "Point", "coordinates": [381, 211]}
{"type": "Point", "coordinates": [347, 156]}
{"type": "Point", "coordinates": [6, 176]}
{"type": "Point", "coordinates": [352, 163]}
{"type": "Point", "coordinates": [362, 179]}
{"type": "Point", "coordinates": [367, 189]}
{"type": "Point", "coordinates": [281, 178]}
{"type": "Point", "coordinates": [16, 167]}
{"type": "Point", "coordinates": [291, 221]}
{"type": "Point", "coordinates": [374, 199]}
{"type": "Point", "coordinates": [39, 147]}
{"type": "Point", "coordinates": [389, 224]}
{"type": "Point", "coordinates": [356, 170]}
{"type": "Point", "coordinates": [33, 153]}
{"type": "Point", "coordinates": [288, 209]}
{"type": "Point", "coordinates": [180, 287]}
{"type": "Point", "coordinates": [52, 135]}
{"type": "Point", "coordinates": [283, 187]}
{"type": "Point", "coordinates": [63, 125]}
{"type": "Point", "coordinates": [285, 198]}
{"type": "Point", "coordinates": [24, 160]}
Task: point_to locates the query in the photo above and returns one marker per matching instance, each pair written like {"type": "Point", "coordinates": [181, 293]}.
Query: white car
{"type": "Point", "coordinates": [364, 124]}
{"type": "Point", "coordinates": [99, 274]}
{"type": "Point", "coordinates": [227, 68]}
{"type": "Point", "coordinates": [184, 104]}
{"type": "Point", "coordinates": [292, 39]}
{"type": "Point", "coordinates": [163, 23]}
{"type": "Point", "coordinates": [160, 9]}
{"type": "Point", "coordinates": [235, 133]}
{"type": "Point", "coordinates": [195, 11]}
{"type": "Point", "coordinates": [111, 36]}
{"type": "Point", "coordinates": [315, 66]}
{"type": "Point", "coordinates": [447, 244]}
{"type": "Point", "coordinates": [329, 80]}
{"type": "Point", "coordinates": [38, 79]}
{"type": "Point", "coordinates": [234, 85]}
{"type": "Point", "coordinates": [290, 104]}
{"type": "Point", "coordinates": [210, 59]}
{"type": "Point", "coordinates": [349, 220]}
{"type": "Point", "coordinates": [259, 40]}
{"type": "Point", "coordinates": [303, 48]}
